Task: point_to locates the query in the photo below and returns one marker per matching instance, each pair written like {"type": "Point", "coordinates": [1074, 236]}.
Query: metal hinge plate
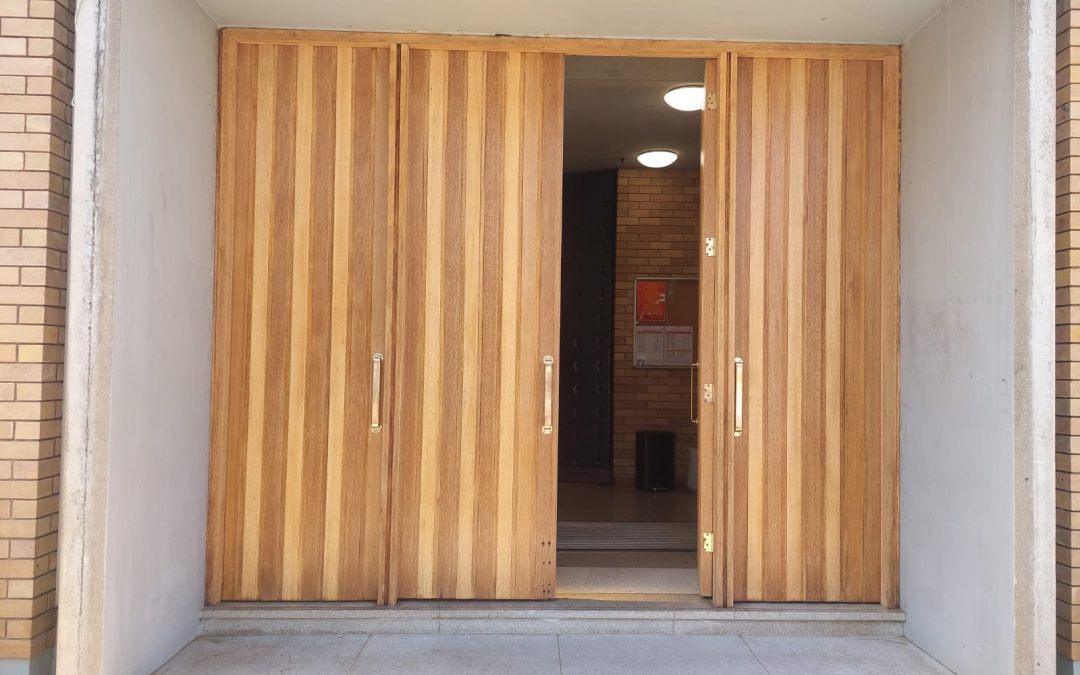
{"type": "Point", "coordinates": [710, 247]}
{"type": "Point", "coordinates": [710, 101]}
{"type": "Point", "coordinates": [708, 393]}
{"type": "Point", "coordinates": [707, 542]}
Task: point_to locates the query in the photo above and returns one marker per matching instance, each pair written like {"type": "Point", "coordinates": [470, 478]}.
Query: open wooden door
{"type": "Point", "coordinates": [813, 250]}
{"type": "Point", "coordinates": [712, 333]}
{"type": "Point", "coordinates": [475, 449]}
{"type": "Point", "coordinates": [299, 489]}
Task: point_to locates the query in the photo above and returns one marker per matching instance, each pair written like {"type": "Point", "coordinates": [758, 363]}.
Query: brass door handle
{"type": "Point", "coordinates": [738, 396]}
{"type": "Point", "coordinates": [376, 392]}
{"type": "Point", "coordinates": [549, 378]}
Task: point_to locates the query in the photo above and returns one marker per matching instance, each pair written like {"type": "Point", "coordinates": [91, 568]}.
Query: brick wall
{"type": "Point", "coordinates": [1068, 329]}
{"type": "Point", "coordinates": [658, 227]}
{"type": "Point", "coordinates": [36, 57]}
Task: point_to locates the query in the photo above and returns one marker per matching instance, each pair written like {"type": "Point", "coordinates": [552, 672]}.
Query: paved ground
{"type": "Point", "coordinates": [522, 654]}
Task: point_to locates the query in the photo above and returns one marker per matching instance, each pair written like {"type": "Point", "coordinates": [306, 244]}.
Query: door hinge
{"type": "Point", "coordinates": [708, 393]}
{"type": "Point", "coordinates": [710, 247]}
{"type": "Point", "coordinates": [710, 101]}
{"type": "Point", "coordinates": [707, 542]}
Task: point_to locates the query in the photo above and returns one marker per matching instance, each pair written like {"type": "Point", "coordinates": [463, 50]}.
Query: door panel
{"type": "Point", "coordinates": [298, 489]}
{"type": "Point", "coordinates": [813, 250]}
{"type": "Point", "coordinates": [477, 310]}
{"type": "Point", "coordinates": [711, 330]}
{"type": "Point", "coordinates": [587, 326]}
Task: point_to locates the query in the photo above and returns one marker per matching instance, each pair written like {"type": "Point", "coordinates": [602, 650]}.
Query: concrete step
{"type": "Point", "coordinates": [560, 616]}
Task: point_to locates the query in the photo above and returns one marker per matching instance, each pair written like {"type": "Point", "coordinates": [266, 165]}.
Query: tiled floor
{"type": "Point", "coordinates": [608, 503]}
{"type": "Point", "coordinates": [521, 654]}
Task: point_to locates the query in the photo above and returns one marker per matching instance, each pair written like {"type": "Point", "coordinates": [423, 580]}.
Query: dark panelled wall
{"type": "Point", "coordinates": [588, 286]}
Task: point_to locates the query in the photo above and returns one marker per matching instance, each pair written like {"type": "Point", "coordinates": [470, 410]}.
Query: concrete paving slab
{"type": "Point", "coordinates": [458, 654]}
{"type": "Point", "coordinates": [265, 654]}
{"type": "Point", "coordinates": [841, 656]}
{"type": "Point", "coordinates": [656, 655]}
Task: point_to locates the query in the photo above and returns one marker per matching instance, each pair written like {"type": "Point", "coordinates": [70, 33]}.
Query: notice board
{"type": "Point", "coordinates": [665, 321]}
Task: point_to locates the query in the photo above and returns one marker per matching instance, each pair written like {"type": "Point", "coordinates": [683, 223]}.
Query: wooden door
{"type": "Point", "coordinates": [813, 256]}
{"type": "Point", "coordinates": [711, 329]}
{"type": "Point", "coordinates": [298, 490]}
{"type": "Point", "coordinates": [477, 313]}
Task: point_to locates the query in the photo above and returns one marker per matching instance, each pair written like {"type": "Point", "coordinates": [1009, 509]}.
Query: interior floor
{"type": "Point", "coordinates": [580, 502]}
{"type": "Point", "coordinates": [620, 543]}
{"type": "Point", "coordinates": [661, 576]}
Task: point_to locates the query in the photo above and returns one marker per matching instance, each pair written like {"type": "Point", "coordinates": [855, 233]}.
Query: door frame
{"type": "Point", "coordinates": [718, 51]}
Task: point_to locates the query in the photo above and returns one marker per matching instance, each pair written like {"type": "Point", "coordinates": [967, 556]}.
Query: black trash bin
{"type": "Point", "coordinates": [655, 461]}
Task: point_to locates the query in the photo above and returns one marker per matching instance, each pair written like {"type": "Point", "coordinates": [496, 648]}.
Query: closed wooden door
{"type": "Point", "coordinates": [812, 258]}
{"type": "Point", "coordinates": [475, 425]}
{"type": "Point", "coordinates": [299, 491]}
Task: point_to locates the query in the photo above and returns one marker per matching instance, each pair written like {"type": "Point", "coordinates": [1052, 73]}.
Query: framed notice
{"type": "Point", "coordinates": [678, 346]}
{"type": "Point", "coordinates": [665, 321]}
{"type": "Point", "coordinates": [648, 346]}
{"type": "Point", "coordinates": [650, 301]}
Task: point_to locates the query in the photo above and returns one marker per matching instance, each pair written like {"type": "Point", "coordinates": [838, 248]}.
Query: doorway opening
{"type": "Point", "coordinates": [627, 500]}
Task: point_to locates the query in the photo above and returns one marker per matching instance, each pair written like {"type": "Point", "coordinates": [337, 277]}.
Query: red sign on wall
{"type": "Point", "coordinates": [652, 300]}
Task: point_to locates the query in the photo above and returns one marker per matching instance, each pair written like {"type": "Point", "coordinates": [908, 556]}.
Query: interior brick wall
{"type": "Point", "coordinates": [1068, 329]}
{"type": "Point", "coordinates": [36, 58]}
{"type": "Point", "coordinates": [657, 231]}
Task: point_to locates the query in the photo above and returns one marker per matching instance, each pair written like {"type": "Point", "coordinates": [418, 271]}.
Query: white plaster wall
{"type": "Point", "coordinates": [957, 337]}
{"type": "Point", "coordinates": [160, 389]}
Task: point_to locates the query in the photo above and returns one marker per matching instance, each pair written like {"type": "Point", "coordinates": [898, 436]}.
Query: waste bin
{"type": "Point", "coordinates": [655, 461]}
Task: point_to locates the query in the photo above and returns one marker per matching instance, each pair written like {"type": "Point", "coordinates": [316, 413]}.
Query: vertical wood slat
{"type": "Point", "coordinates": [298, 347]}
{"type": "Point", "coordinates": [474, 510]}
{"type": "Point", "coordinates": [812, 444]}
{"type": "Point", "coordinates": [508, 377]}
{"type": "Point", "coordinates": [263, 201]}
{"type": "Point", "coordinates": [238, 326]}
{"type": "Point", "coordinates": [714, 427]}
{"type": "Point", "coordinates": [755, 371]}
{"type": "Point", "coordinates": [833, 337]}
{"type": "Point", "coordinates": [813, 251]}
{"type": "Point", "coordinates": [289, 236]}
{"type": "Point", "coordinates": [739, 279]}
{"type": "Point", "coordinates": [796, 204]}
{"type": "Point", "coordinates": [485, 540]}
{"type": "Point", "coordinates": [724, 499]}
{"type": "Point", "coordinates": [709, 361]}
{"type": "Point", "coordinates": [220, 388]}
{"type": "Point", "coordinates": [890, 335]}
{"type": "Point", "coordinates": [279, 306]}
{"type": "Point", "coordinates": [551, 200]}
{"type": "Point", "coordinates": [339, 306]}
{"type": "Point", "coordinates": [473, 358]}
{"type": "Point", "coordinates": [452, 334]}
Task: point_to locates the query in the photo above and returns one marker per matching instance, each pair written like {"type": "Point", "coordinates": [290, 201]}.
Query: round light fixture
{"type": "Point", "coordinates": [657, 159]}
{"type": "Point", "coordinates": [687, 98]}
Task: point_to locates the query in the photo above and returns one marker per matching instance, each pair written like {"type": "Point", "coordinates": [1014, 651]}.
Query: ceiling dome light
{"type": "Point", "coordinates": [657, 159]}
{"type": "Point", "coordinates": [687, 98]}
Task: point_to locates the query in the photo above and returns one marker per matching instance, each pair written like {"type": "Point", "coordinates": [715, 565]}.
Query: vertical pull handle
{"type": "Point", "coordinates": [738, 396]}
{"type": "Point", "coordinates": [549, 377]}
{"type": "Point", "coordinates": [376, 392]}
{"type": "Point", "coordinates": [693, 393]}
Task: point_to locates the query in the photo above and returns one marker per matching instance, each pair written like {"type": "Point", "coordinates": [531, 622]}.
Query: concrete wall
{"type": "Point", "coordinates": [161, 332]}
{"type": "Point", "coordinates": [134, 531]}
{"type": "Point", "coordinates": [957, 337]}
